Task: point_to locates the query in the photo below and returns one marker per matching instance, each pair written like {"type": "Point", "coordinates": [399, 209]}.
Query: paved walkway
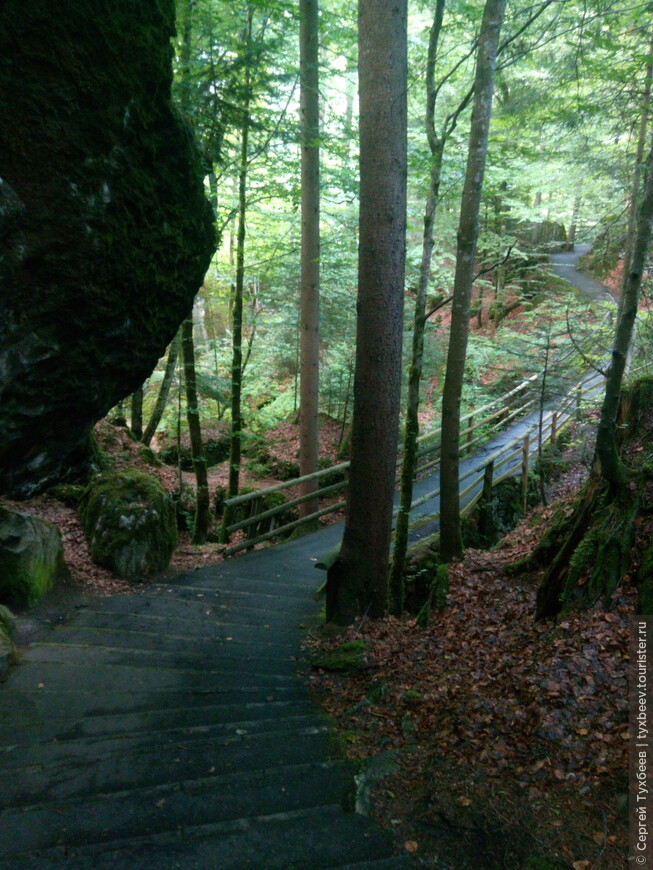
{"type": "Point", "coordinates": [564, 265]}
{"type": "Point", "coordinates": [173, 728]}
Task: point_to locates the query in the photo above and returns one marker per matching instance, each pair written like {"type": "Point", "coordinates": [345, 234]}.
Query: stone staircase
{"type": "Point", "coordinates": [172, 728]}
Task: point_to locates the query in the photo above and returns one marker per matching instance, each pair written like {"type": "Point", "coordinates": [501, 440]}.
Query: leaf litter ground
{"type": "Point", "coordinates": [511, 736]}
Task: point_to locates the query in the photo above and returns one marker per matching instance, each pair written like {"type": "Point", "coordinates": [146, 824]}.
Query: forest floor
{"type": "Point", "coordinates": [497, 738]}
{"type": "Point", "coordinates": [505, 738]}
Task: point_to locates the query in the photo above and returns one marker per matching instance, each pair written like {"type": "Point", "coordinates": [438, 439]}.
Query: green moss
{"type": "Point", "coordinates": [603, 556]}
{"type": "Point", "coordinates": [130, 522]}
{"type": "Point", "coordinates": [349, 656]}
{"type": "Point", "coordinates": [8, 652]}
{"type": "Point", "coordinates": [149, 456]}
{"type": "Point", "coordinates": [31, 558]}
{"type": "Point", "coordinates": [69, 494]}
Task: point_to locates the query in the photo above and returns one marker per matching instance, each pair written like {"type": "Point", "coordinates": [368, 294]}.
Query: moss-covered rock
{"type": "Point", "coordinates": [348, 656]}
{"type": "Point", "coordinates": [105, 232]}
{"type": "Point", "coordinates": [8, 652]}
{"type": "Point", "coordinates": [130, 522]}
{"type": "Point", "coordinates": [69, 494]}
{"type": "Point", "coordinates": [31, 557]}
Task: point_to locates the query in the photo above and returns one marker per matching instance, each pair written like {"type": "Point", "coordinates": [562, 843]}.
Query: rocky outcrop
{"type": "Point", "coordinates": [105, 233]}
{"type": "Point", "coordinates": [130, 522]}
{"type": "Point", "coordinates": [31, 557]}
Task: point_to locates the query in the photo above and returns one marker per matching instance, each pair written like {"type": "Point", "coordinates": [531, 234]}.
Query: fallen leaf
{"type": "Point", "coordinates": [411, 846]}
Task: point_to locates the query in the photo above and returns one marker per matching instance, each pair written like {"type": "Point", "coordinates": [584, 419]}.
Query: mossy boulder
{"type": "Point", "coordinates": [8, 652]}
{"type": "Point", "coordinates": [216, 440]}
{"type": "Point", "coordinates": [31, 557]}
{"type": "Point", "coordinates": [348, 656]}
{"type": "Point", "coordinates": [130, 522]}
{"type": "Point", "coordinates": [105, 231]}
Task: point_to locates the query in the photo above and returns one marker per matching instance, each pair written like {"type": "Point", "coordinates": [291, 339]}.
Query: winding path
{"type": "Point", "coordinates": [173, 728]}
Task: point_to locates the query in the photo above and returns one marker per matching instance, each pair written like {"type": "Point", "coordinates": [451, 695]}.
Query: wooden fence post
{"type": "Point", "coordinates": [524, 472]}
{"type": "Point", "coordinates": [470, 432]}
{"type": "Point", "coordinates": [485, 521]}
{"type": "Point", "coordinates": [554, 426]}
{"type": "Point", "coordinates": [579, 396]}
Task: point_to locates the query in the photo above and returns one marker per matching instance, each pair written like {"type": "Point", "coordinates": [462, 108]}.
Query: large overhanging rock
{"type": "Point", "coordinates": [105, 233]}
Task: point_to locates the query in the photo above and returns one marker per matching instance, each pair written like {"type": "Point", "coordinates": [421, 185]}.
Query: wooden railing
{"type": "Point", "coordinates": [502, 414]}
{"type": "Point", "coordinates": [476, 425]}
{"type": "Point", "coordinates": [511, 459]}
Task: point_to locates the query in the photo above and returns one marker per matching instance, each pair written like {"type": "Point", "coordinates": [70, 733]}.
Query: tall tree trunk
{"type": "Point", "coordinates": [310, 257]}
{"type": "Point", "coordinates": [357, 583]}
{"type": "Point", "coordinates": [237, 316]}
{"type": "Point", "coordinates": [637, 173]}
{"type": "Point", "coordinates": [611, 466]}
{"type": "Point", "coordinates": [450, 533]}
{"type": "Point", "coordinates": [202, 505]}
{"type": "Point", "coordinates": [436, 144]}
{"type": "Point", "coordinates": [137, 413]}
{"type": "Point", "coordinates": [164, 391]}
{"type": "Point", "coordinates": [201, 523]}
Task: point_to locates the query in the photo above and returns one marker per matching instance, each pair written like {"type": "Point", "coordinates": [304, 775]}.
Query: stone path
{"type": "Point", "coordinates": [173, 728]}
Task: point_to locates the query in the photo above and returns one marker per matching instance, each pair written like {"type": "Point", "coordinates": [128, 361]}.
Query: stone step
{"type": "Point", "coordinates": [172, 806]}
{"type": "Point", "coordinates": [29, 751]}
{"type": "Point", "coordinates": [217, 627]}
{"type": "Point", "coordinates": [320, 838]}
{"type": "Point", "coordinates": [217, 606]}
{"type": "Point", "coordinates": [207, 657]}
{"type": "Point", "coordinates": [83, 769]}
{"type": "Point", "coordinates": [97, 673]}
{"type": "Point", "coordinates": [37, 728]}
{"type": "Point", "coordinates": [240, 588]}
{"type": "Point", "coordinates": [125, 638]}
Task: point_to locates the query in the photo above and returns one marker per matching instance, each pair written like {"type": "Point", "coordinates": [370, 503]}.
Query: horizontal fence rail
{"type": "Point", "coordinates": [247, 512]}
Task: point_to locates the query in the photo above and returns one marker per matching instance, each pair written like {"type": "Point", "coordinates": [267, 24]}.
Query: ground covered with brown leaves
{"type": "Point", "coordinates": [507, 739]}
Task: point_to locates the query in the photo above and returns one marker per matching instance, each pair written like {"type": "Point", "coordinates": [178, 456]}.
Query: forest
{"type": "Point", "coordinates": [368, 285]}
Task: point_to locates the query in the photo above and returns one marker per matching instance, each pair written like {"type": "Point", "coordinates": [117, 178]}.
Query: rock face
{"type": "Point", "coordinates": [31, 557]}
{"type": "Point", "coordinates": [105, 233]}
{"type": "Point", "coordinates": [130, 523]}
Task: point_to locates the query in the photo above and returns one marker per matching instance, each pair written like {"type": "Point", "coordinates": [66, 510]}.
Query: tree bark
{"type": "Point", "coordinates": [202, 505]}
{"type": "Point", "coordinates": [637, 174]}
{"type": "Point", "coordinates": [436, 145]}
{"type": "Point", "coordinates": [310, 255]}
{"type": "Point", "coordinates": [357, 583]}
{"type": "Point", "coordinates": [612, 469]}
{"type": "Point", "coordinates": [137, 413]}
{"type": "Point", "coordinates": [450, 533]}
{"type": "Point", "coordinates": [164, 391]}
{"type": "Point", "coordinates": [237, 315]}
